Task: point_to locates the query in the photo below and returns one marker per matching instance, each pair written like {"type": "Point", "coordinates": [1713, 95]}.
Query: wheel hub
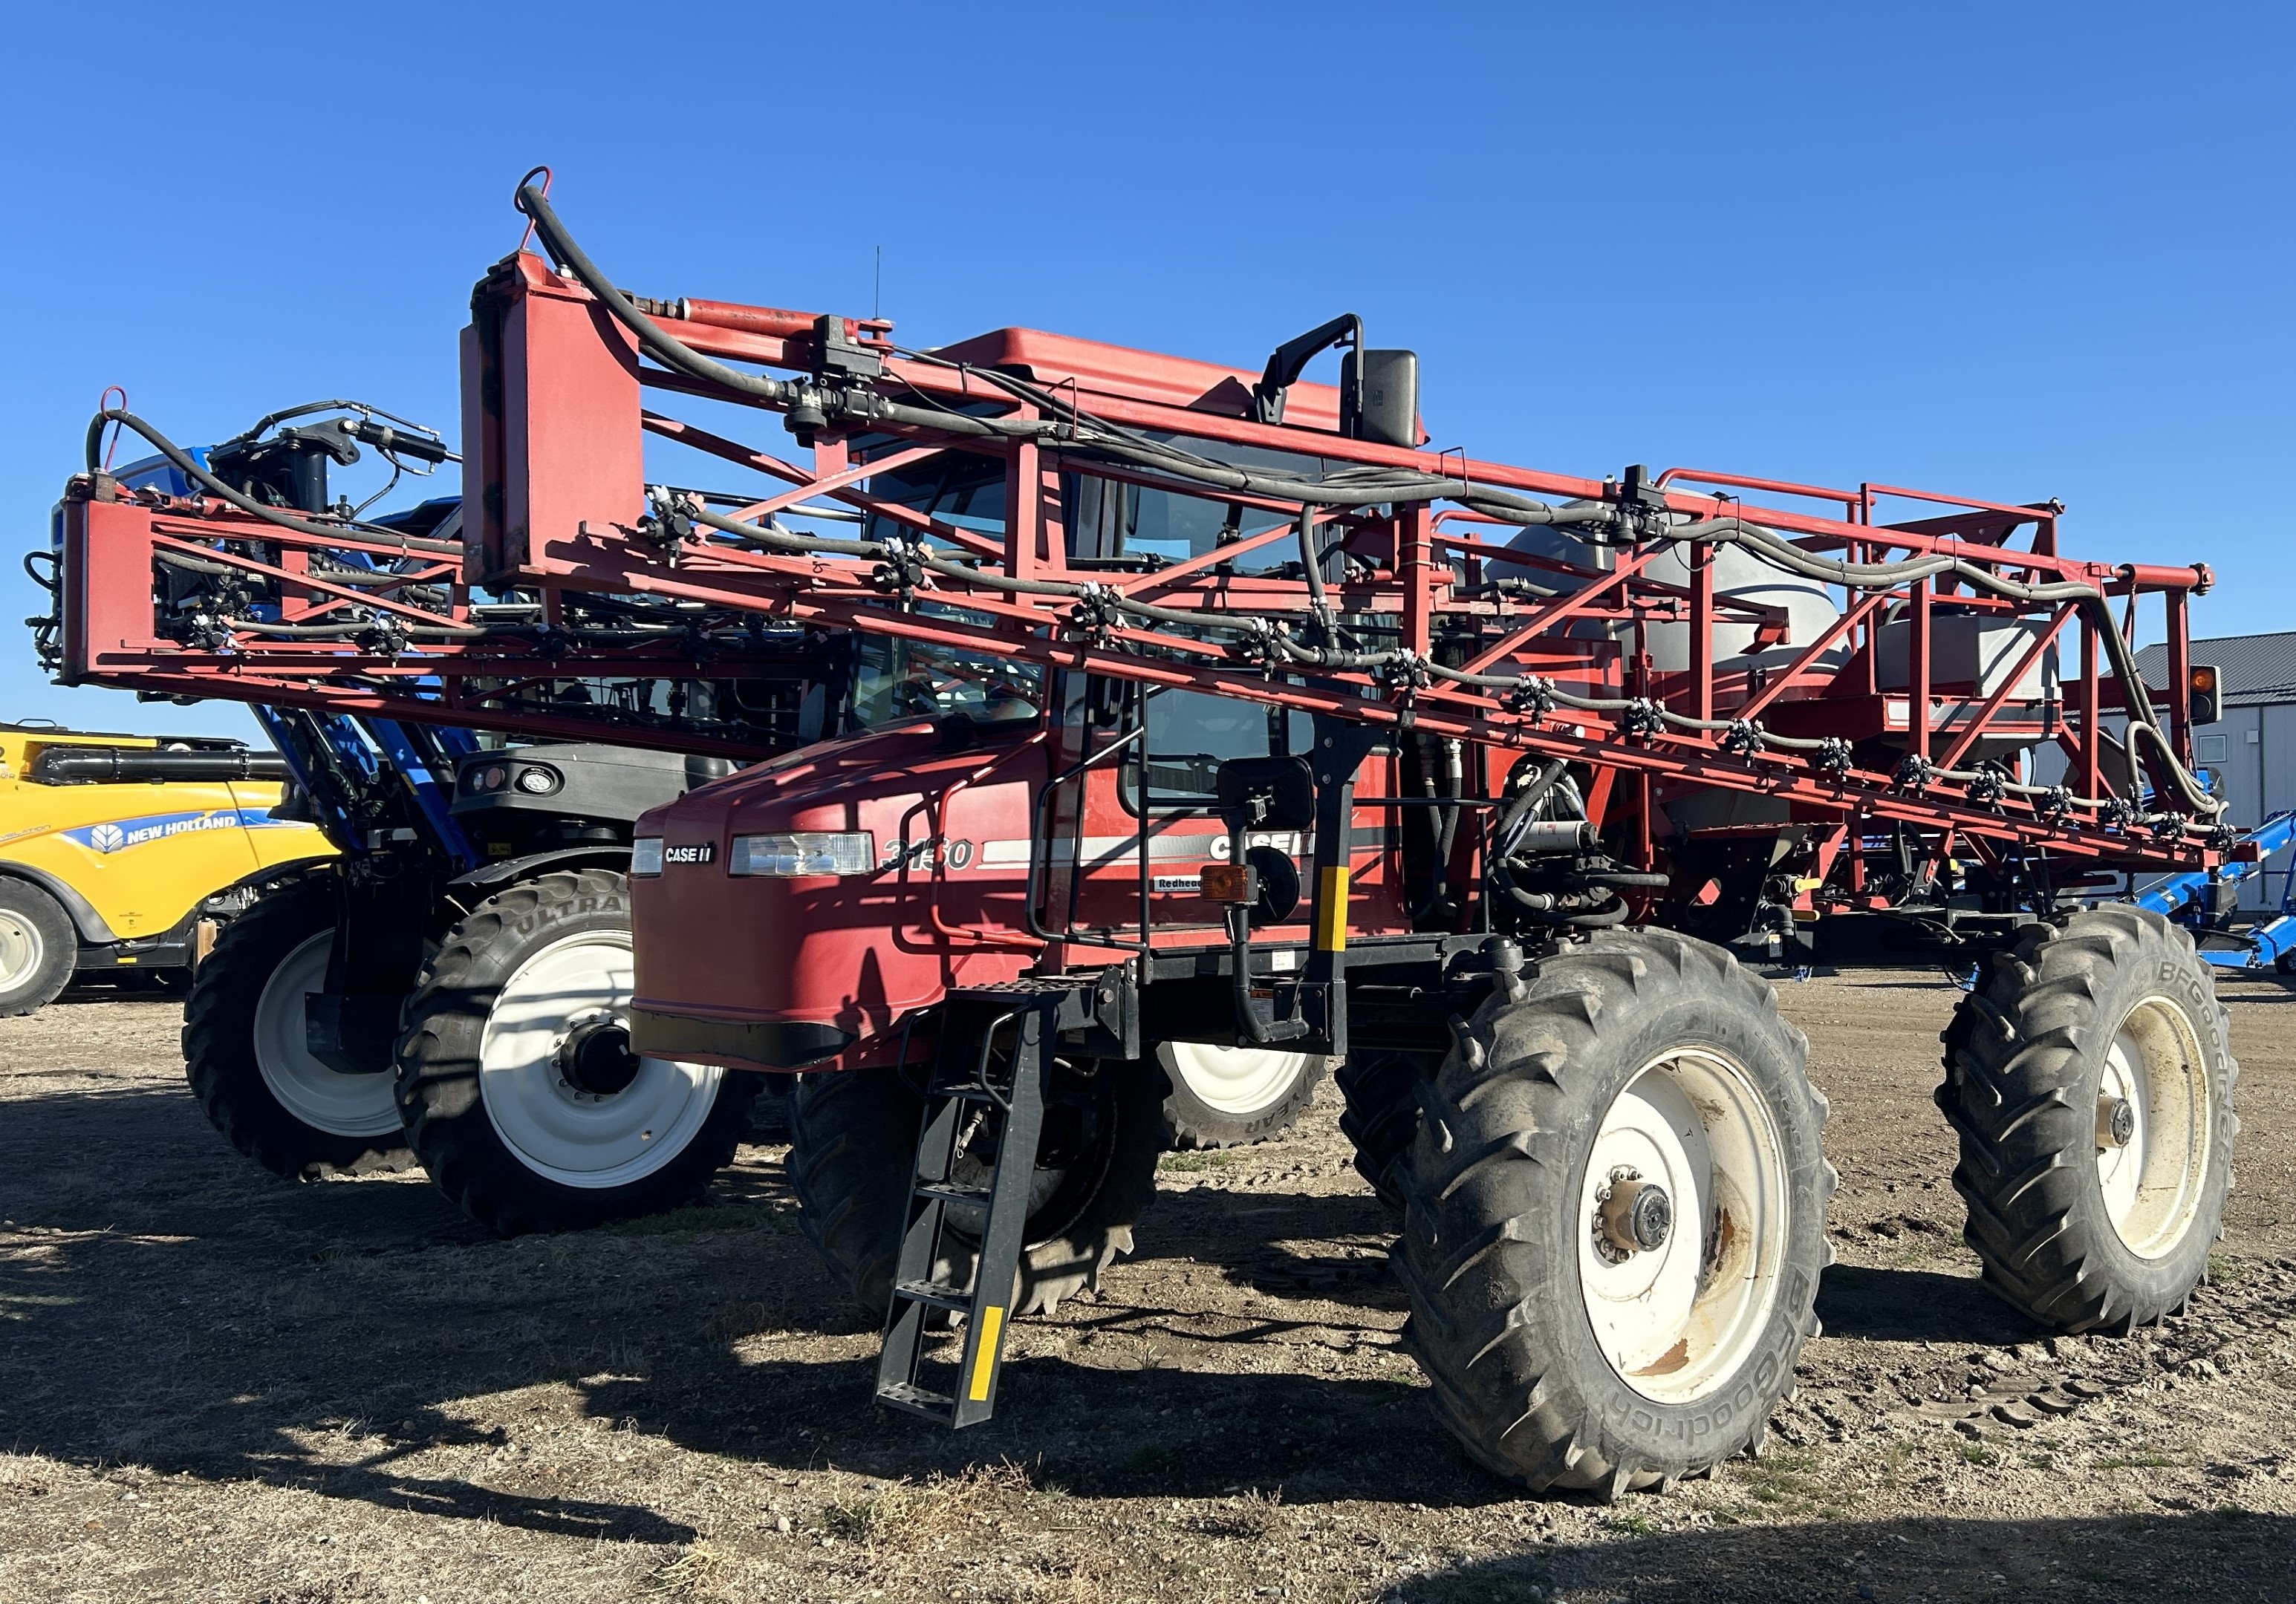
{"type": "Point", "coordinates": [2153, 1127]}
{"type": "Point", "coordinates": [21, 951]}
{"type": "Point", "coordinates": [1634, 1216]}
{"type": "Point", "coordinates": [560, 1085]}
{"type": "Point", "coordinates": [595, 1057]}
{"type": "Point", "coordinates": [319, 1095]}
{"type": "Point", "coordinates": [1689, 1142]}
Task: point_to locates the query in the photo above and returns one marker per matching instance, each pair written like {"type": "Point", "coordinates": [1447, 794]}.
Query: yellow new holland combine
{"type": "Point", "coordinates": [126, 852]}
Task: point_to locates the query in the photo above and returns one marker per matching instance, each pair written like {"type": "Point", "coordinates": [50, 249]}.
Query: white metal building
{"type": "Point", "coordinates": [2252, 749]}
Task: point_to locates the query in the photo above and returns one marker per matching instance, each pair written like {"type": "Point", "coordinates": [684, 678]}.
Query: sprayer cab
{"type": "Point", "coordinates": [811, 913]}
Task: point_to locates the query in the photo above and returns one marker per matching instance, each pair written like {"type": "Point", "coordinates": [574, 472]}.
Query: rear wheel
{"type": "Point", "coordinates": [853, 1146]}
{"type": "Point", "coordinates": [1616, 1218]}
{"type": "Point", "coordinates": [39, 948]}
{"type": "Point", "coordinates": [1227, 1096]}
{"type": "Point", "coordinates": [2091, 1084]}
{"type": "Point", "coordinates": [516, 1080]}
{"type": "Point", "coordinates": [244, 1051]}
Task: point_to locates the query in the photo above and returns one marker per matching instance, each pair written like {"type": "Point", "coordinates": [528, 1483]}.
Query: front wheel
{"type": "Point", "coordinates": [2090, 1082]}
{"type": "Point", "coordinates": [852, 1159]}
{"type": "Point", "coordinates": [1616, 1217]}
{"type": "Point", "coordinates": [516, 1080]}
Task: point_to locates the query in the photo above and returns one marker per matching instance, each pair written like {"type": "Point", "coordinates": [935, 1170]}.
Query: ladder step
{"type": "Point", "coordinates": [970, 1090]}
{"type": "Point", "coordinates": [950, 1191]}
{"type": "Point", "coordinates": [918, 1400]}
{"type": "Point", "coordinates": [934, 1295]}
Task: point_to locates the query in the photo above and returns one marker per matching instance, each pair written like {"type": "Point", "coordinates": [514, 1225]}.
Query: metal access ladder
{"type": "Point", "coordinates": [996, 1046]}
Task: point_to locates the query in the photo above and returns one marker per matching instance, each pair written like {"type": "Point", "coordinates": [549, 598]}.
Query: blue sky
{"type": "Point", "coordinates": [2014, 251]}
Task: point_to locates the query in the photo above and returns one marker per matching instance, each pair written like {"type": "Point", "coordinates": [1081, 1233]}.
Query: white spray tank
{"type": "Point", "coordinates": [1809, 606]}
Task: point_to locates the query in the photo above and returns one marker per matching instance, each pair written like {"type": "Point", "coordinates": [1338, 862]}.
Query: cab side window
{"type": "Point", "coordinates": [1191, 734]}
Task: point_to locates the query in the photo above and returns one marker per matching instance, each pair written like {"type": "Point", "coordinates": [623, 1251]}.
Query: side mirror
{"type": "Point", "coordinates": [1266, 793]}
{"type": "Point", "coordinates": [1378, 397]}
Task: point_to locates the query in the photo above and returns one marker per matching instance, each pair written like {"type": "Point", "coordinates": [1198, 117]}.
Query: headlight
{"type": "Point", "coordinates": [537, 782]}
{"type": "Point", "coordinates": [810, 852]}
{"type": "Point", "coordinates": [645, 855]}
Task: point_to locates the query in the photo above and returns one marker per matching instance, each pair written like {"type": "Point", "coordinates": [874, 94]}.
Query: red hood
{"type": "Point", "coordinates": [785, 972]}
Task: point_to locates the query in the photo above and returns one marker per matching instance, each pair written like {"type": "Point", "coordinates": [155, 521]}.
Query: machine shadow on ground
{"type": "Point", "coordinates": [341, 1356]}
{"type": "Point", "coordinates": [183, 1312]}
{"type": "Point", "coordinates": [2161, 1556]}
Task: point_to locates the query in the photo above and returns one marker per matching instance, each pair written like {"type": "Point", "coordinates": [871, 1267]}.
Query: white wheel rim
{"type": "Point", "coordinates": [21, 951]}
{"type": "Point", "coordinates": [2152, 1185]}
{"type": "Point", "coordinates": [1677, 1321]}
{"type": "Point", "coordinates": [563, 1133]}
{"type": "Point", "coordinates": [323, 1098]}
{"type": "Point", "coordinates": [1241, 1081]}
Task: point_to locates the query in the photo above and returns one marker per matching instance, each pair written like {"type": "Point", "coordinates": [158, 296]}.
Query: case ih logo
{"type": "Point", "coordinates": [703, 852]}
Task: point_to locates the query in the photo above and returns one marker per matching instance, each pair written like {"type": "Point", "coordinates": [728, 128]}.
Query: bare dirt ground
{"type": "Point", "coordinates": [214, 1386]}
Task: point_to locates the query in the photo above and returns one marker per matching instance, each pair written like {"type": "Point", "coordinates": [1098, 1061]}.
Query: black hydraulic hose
{"type": "Point", "coordinates": [1586, 909]}
{"type": "Point", "coordinates": [217, 488]}
{"type": "Point", "coordinates": [665, 347]}
{"type": "Point", "coordinates": [1615, 915]}
{"type": "Point", "coordinates": [807, 545]}
{"type": "Point", "coordinates": [1370, 485]}
{"type": "Point", "coordinates": [357, 579]}
{"type": "Point", "coordinates": [1781, 553]}
{"type": "Point", "coordinates": [1361, 488]}
{"type": "Point", "coordinates": [442, 630]}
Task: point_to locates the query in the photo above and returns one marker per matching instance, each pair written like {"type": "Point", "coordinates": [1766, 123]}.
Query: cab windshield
{"type": "Point", "coordinates": [895, 680]}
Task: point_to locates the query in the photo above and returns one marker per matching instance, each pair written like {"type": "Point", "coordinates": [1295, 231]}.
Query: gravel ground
{"type": "Point", "coordinates": [214, 1386]}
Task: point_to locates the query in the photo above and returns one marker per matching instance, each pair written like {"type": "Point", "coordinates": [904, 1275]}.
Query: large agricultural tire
{"type": "Point", "coordinates": [1579, 1332]}
{"type": "Point", "coordinates": [853, 1148]}
{"type": "Point", "coordinates": [1225, 1097]}
{"type": "Point", "coordinates": [39, 948]}
{"type": "Point", "coordinates": [1381, 1114]}
{"type": "Point", "coordinates": [516, 1083]}
{"type": "Point", "coordinates": [2090, 1081]}
{"type": "Point", "coordinates": [245, 1052]}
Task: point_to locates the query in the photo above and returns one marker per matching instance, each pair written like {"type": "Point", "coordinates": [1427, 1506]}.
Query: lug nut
{"type": "Point", "coordinates": [2116, 1123]}
{"type": "Point", "coordinates": [1637, 1216]}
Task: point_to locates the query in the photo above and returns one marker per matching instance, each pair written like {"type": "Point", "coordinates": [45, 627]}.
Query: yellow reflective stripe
{"type": "Point", "coordinates": [1332, 912]}
{"type": "Point", "coordinates": [984, 1356]}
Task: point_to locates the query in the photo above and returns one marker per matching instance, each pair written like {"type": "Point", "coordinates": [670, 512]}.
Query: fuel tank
{"type": "Point", "coordinates": [798, 909]}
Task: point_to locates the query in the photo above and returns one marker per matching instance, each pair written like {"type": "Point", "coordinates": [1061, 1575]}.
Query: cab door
{"type": "Point", "coordinates": [1148, 823]}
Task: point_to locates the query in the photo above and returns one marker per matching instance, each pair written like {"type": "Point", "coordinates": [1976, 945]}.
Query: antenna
{"type": "Point", "coordinates": [877, 290]}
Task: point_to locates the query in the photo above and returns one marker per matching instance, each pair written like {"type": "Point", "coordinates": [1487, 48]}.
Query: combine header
{"type": "Point", "coordinates": [1208, 711]}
